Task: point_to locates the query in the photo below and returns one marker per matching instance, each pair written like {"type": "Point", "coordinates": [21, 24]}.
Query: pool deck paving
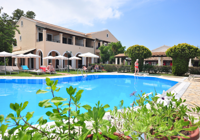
{"type": "Point", "coordinates": [192, 94]}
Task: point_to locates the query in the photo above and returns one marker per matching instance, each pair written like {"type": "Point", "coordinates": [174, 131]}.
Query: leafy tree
{"type": "Point", "coordinates": [104, 53]}
{"type": "Point", "coordinates": [108, 53]}
{"type": "Point", "coordinates": [115, 48]}
{"type": "Point", "coordinates": [138, 52]}
{"type": "Point", "coordinates": [180, 55]}
{"type": "Point", "coordinates": [17, 14]}
{"type": "Point", "coordinates": [30, 14]}
{"type": "Point", "coordinates": [7, 34]}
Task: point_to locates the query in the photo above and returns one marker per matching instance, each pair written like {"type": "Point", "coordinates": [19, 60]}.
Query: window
{"type": "Point", "coordinates": [21, 23]}
{"type": "Point", "coordinates": [64, 40]}
{"type": "Point", "coordinates": [69, 41]}
{"type": "Point", "coordinates": [49, 37]}
{"type": "Point", "coordinates": [107, 35]}
{"type": "Point", "coordinates": [20, 38]}
{"type": "Point", "coordinates": [40, 36]}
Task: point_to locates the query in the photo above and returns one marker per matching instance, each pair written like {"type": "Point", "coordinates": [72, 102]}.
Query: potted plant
{"type": "Point", "coordinates": [158, 118]}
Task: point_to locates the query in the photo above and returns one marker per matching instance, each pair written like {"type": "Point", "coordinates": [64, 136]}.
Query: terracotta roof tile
{"type": "Point", "coordinates": [56, 27]}
{"type": "Point", "coordinates": [120, 55]}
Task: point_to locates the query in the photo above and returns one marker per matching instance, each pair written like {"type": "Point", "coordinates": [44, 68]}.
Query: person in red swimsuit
{"type": "Point", "coordinates": [136, 66]}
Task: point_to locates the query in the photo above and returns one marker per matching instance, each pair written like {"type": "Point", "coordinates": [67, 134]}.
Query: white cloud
{"type": "Point", "coordinates": [68, 12]}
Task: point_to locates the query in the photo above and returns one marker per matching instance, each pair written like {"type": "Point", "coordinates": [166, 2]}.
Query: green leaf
{"type": "Point", "coordinates": [78, 95]}
{"type": "Point", "coordinates": [87, 107]}
{"type": "Point", "coordinates": [58, 99]}
{"type": "Point", "coordinates": [65, 104]}
{"type": "Point", "coordinates": [37, 136]}
{"type": "Point", "coordinates": [3, 129]}
{"type": "Point", "coordinates": [24, 105]}
{"type": "Point", "coordinates": [58, 89]}
{"type": "Point", "coordinates": [44, 103]}
{"type": "Point", "coordinates": [29, 115]}
{"type": "Point", "coordinates": [41, 91]}
{"type": "Point", "coordinates": [11, 131]}
{"type": "Point", "coordinates": [48, 113]}
{"type": "Point", "coordinates": [48, 87]}
{"type": "Point", "coordinates": [49, 82]}
{"type": "Point", "coordinates": [1, 118]}
{"type": "Point", "coordinates": [106, 106]}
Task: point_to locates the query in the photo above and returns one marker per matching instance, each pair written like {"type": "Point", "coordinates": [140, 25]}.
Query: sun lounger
{"type": "Point", "coordinates": [37, 71]}
{"type": "Point", "coordinates": [24, 68]}
{"type": "Point", "coordinates": [70, 68]}
{"type": "Point", "coordinates": [192, 76]}
{"type": "Point", "coordinates": [60, 68]}
{"type": "Point", "coordinates": [16, 69]}
{"type": "Point", "coordinates": [90, 68]}
{"type": "Point", "coordinates": [9, 69]}
{"type": "Point", "coordinates": [51, 72]}
{"type": "Point", "coordinates": [2, 69]}
{"type": "Point", "coordinates": [98, 70]}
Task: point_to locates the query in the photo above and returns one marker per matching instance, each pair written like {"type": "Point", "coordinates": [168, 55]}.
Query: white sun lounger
{"type": "Point", "coordinates": [60, 68]}
{"type": "Point", "coordinates": [16, 69]}
{"type": "Point", "coordinates": [192, 76]}
{"type": "Point", "coordinates": [37, 71]}
{"type": "Point", "coordinates": [70, 67]}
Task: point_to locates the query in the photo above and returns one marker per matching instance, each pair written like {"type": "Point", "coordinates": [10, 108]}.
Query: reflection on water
{"type": "Point", "coordinates": [109, 89]}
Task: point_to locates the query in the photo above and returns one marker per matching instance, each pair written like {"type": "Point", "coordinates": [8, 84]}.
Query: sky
{"type": "Point", "coordinates": [151, 23]}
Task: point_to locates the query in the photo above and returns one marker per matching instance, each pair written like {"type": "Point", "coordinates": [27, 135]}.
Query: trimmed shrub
{"type": "Point", "coordinates": [180, 55]}
{"type": "Point", "coordinates": [138, 52]}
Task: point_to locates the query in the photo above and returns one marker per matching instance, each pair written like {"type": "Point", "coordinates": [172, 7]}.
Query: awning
{"type": "Point", "coordinates": [24, 51]}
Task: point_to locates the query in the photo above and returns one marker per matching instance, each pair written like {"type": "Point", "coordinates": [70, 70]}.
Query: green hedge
{"type": "Point", "coordinates": [157, 69]}
{"type": "Point", "coordinates": [114, 68]}
{"type": "Point", "coordinates": [194, 70]}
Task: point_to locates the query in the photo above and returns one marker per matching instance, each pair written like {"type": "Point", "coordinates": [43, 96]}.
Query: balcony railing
{"type": "Point", "coordinates": [89, 46]}
{"type": "Point", "coordinates": [54, 40]}
{"type": "Point", "coordinates": [79, 44]}
{"type": "Point", "coordinates": [39, 40]}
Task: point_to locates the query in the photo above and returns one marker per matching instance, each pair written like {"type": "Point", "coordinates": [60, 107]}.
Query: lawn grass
{"type": "Point", "coordinates": [26, 74]}
{"type": "Point", "coordinates": [59, 73]}
{"type": "Point", "coordinates": [79, 72]}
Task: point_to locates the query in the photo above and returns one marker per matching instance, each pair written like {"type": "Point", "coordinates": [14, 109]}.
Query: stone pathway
{"type": "Point", "coordinates": [192, 94]}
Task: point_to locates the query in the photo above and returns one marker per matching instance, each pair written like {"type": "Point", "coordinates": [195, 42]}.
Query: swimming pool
{"type": "Point", "coordinates": [108, 89]}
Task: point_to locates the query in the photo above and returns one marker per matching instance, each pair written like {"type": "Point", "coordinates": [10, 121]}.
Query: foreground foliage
{"type": "Point", "coordinates": [161, 117]}
{"type": "Point", "coordinates": [153, 117]}
{"type": "Point", "coordinates": [69, 123]}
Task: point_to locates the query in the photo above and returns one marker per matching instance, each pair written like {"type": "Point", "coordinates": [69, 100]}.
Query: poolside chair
{"type": "Point", "coordinates": [16, 69]}
{"type": "Point", "coordinates": [37, 71]}
{"type": "Point", "coordinates": [193, 76]}
{"type": "Point", "coordinates": [51, 72]}
{"type": "Point", "coordinates": [2, 69]}
{"type": "Point", "coordinates": [9, 69]}
{"type": "Point", "coordinates": [70, 67]}
{"type": "Point", "coordinates": [60, 68]}
{"type": "Point", "coordinates": [90, 68]}
{"type": "Point", "coordinates": [100, 69]}
{"type": "Point", "coordinates": [24, 68]}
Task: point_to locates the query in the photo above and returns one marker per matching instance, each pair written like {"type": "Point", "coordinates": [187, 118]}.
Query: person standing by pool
{"type": "Point", "coordinates": [136, 66]}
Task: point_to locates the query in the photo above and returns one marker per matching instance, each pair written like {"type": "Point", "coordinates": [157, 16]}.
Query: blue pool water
{"type": "Point", "coordinates": [108, 89]}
